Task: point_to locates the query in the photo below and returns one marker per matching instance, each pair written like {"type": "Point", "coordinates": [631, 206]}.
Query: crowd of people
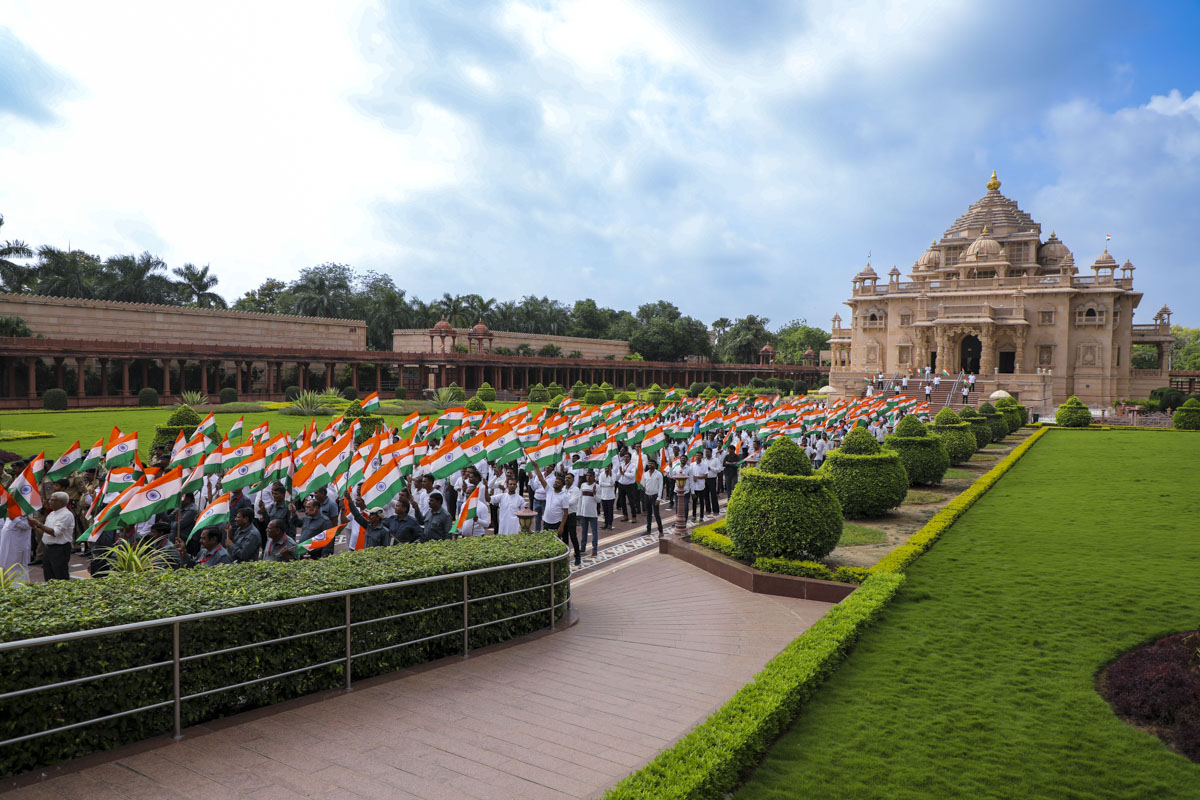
{"type": "Point", "coordinates": [575, 498]}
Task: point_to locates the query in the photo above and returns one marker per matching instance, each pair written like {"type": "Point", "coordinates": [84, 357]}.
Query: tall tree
{"type": "Point", "coordinates": [746, 338]}
{"type": "Point", "coordinates": [793, 339]}
{"type": "Point", "coordinates": [137, 279]}
{"type": "Point", "coordinates": [383, 306]}
{"type": "Point", "coordinates": [66, 274]}
{"type": "Point", "coordinates": [14, 277]}
{"type": "Point", "coordinates": [271, 297]}
{"type": "Point", "coordinates": [721, 327]}
{"type": "Point", "coordinates": [196, 286]}
{"type": "Point", "coordinates": [454, 309]}
{"type": "Point", "coordinates": [323, 291]}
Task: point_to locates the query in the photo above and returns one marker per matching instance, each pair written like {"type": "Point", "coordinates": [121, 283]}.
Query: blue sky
{"type": "Point", "coordinates": [734, 158]}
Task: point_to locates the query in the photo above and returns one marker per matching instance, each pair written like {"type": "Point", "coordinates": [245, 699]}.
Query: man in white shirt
{"type": "Point", "coordinates": [715, 464]}
{"type": "Point", "coordinates": [697, 472]}
{"type": "Point", "coordinates": [588, 512]}
{"type": "Point", "coordinates": [558, 506]}
{"type": "Point", "coordinates": [507, 506]}
{"type": "Point", "coordinates": [627, 488]}
{"type": "Point", "coordinates": [652, 484]}
{"type": "Point", "coordinates": [904, 383]}
{"type": "Point", "coordinates": [820, 446]}
{"type": "Point", "coordinates": [56, 533]}
{"type": "Point", "coordinates": [539, 500]}
{"type": "Point", "coordinates": [607, 494]}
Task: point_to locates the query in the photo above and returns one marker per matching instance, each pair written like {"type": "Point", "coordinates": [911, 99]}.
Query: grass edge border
{"type": "Point", "coordinates": [710, 760]}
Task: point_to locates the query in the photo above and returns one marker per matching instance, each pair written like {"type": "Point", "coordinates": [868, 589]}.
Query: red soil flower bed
{"type": "Point", "coordinates": [1157, 688]}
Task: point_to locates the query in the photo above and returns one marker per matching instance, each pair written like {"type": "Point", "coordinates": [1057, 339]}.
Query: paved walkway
{"type": "Point", "coordinates": [659, 645]}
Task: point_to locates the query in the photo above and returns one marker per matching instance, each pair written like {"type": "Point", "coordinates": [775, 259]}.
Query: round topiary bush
{"type": "Point", "coordinates": [595, 396]}
{"type": "Point", "coordinates": [622, 397]}
{"type": "Point", "coordinates": [1073, 414]}
{"type": "Point", "coordinates": [228, 395]}
{"type": "Point", "coordinates": [709, 393]}
{"type": "Point", "coordinates": [476, 404]}
{"type": "Point", "coordinates": [956, 435]}
{"type": "Point", "coordinates": [995, 421]}
{"type": "Point", "coordinates": [290, 393]}
{"type": "Point", "coordinates": [1187, 417]}
{"type": "Point", "coordinates": [368, 424]}
{"type": "Point", "coordinates": [148, 397]}
{"type": "Point", "coordinates": [923, 454]}
{"type": "Point", "coordinates": [401, 393]}
{"type": "Point", "coordinates": [578, 390]}
{"type": "Point", "coordinates": [608, 390]}
{"type": "Point", "coordinates": [486, 393]}
{"type": "Point", "coordinates": [655, 394]}
{"type": "Point", "coordinates": [783, 514]}
{"type": "Point", "coordinates": [1007, 407]}
{"type": "Point", "coordinates": [56, 400]}
{"type": "Point", "coordinates": [182, 420]}
{"type": "Point", "coordinates": [867, 479]}
{"type": "Point", "coordinates": [350, 393]}
{"type": "Point", "coordinates": [457, 392]}
{"type": "Point", "coordinates": [538, 394]}
{"type": "Point", "coordinates": [979, 427]}
{"type": "Point", "coordinates": [555, 401]}
{"type": "Point", "coordinates": [555, 389]}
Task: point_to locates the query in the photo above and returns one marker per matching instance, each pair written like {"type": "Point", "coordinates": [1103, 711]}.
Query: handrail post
{"type": "Point", "coordinates": [466, 619]}
{"type": "Point", "coordinates": [348, 656]}
{"type": "Point", "coordinates": [551, 595]}
{"type": "Point", "coordinates": [175, 681]}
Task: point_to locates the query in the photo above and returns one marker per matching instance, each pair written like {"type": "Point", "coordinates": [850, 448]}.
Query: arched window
{"type": "Point", "coordinates": [1090, 313]}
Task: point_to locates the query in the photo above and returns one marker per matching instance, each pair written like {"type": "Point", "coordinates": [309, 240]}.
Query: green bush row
{"type": "Point", "coordinates": [811, 569]}
{"type": "Point", "coordinates": [867, 479]}
{"type": "Point", "coordinates": [65, 606]}
{"type": "Point", "coordinates": [709, 762]}
{"type": "Point", "coordinates": [1073, 414]}
{"type": "Point", "coordinates": [713, 537]}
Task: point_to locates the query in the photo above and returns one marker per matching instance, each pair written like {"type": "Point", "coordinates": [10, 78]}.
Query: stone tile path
{"type": "Point", "coordinates": [659, 645]}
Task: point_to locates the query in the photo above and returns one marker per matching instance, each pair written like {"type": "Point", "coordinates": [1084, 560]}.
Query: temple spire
{"type": "Point", "coordinates": [994, 183]}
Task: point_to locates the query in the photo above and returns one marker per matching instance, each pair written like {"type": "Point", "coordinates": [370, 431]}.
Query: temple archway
{"type": "Point", "coordinates": [969, 352]}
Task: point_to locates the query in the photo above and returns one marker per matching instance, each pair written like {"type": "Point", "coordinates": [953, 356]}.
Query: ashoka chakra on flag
{"type": "Point", "coordinates": [122, 447]}
{"type": "Point", "coordinates": [153, 495]}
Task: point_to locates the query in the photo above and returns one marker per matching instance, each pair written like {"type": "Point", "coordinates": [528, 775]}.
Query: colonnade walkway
{"type": "Point", "coordinates": [658, 646]}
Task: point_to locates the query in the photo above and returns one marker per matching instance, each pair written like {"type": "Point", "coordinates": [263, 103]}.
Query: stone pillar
{"type": "Point", "coordinates": [166, 367]}
{"type": "Point", "coordinates": [987, 355]}
{"type": "Point", "coordinates": [31, 372]}
{"type": "Point", "coordinates": [301, 375]}
{"type": "Point", "coordinates": [104, 377]}
{"type": "Point", "coordinates": [125, 377]}
{"type": "Point", "coordinates": [354, 375]}
{"type": "Point", "coordinates": [204, 379]}
{"type": "Point", "coordinates": [10, 375]}
{"type": "Point", "coordinates": [277, 386]}
{"type": "Point", "coordinates": [329, 374]}
{"type": "Point", "coordinates": [1020, 354]}
{"type": "Point", "coordinates": [80, 365]}
{"type": "Point", "coordinates": [145, 364]}
{"type": "Point", "coordinates": [378, 377]}
{"type": "Point", "coordinates": [58, 370]}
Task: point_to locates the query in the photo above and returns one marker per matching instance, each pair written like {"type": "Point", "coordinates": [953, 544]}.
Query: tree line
{"type": "Point", "coordinates": [656, 331]}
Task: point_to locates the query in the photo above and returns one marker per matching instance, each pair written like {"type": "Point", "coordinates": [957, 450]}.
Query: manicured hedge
{"type": "Point", "coordinates": [595, 396]}
{"type": "Point", "coordinates": [65, 606]}
{"type": "Point", "coordinates": [54, 400]}
{"type": "Point", "coordinates": [995, 421]}
{"type": "Point", "coordinates": [867, 479]}
{"type": "Point", "coordinates": [811, 569]}
{"type": "Point", "coordinates": [709, 762]}
{"type": "Point", "coordinates": [608, 390]}
{"type": "Point", "coordinates": [228, 395]}
{"type": "Point", "coordinates": [183, 420]}
{"type": "Point", "coordinates": [713, 537]}
{"type": "Point", "coordinates": [956, 435]}
{"type": "Point", "coordinates": [1014, 414]}
{"type": "Point", "coordinates": [1073, 414]}
{"type": "Point", "coordinates": [979, 426]}
{"type": "Point", "coordinates": [476, 404]}
{"type": "Point", "coordinates": [655, 394]}
{"type": "Point", "coordinates": [578, 390]}
{"type": "Point", "coordinates": [774, 514]}
{"type": "Point", "coordinates": [290, 393]}
{"type": "Point", "coordinates": [538, 394]}
{"type": "Point", "coordinates": [148, 397]}
{"type": "Point", "coordinates": [1187, 416]}
{"type": "Point", "coordinates": [486, 392]}
{"type": "Point", "coordinates": [924, 456]}
{"type": "Point", "coordinates": [457, 392]}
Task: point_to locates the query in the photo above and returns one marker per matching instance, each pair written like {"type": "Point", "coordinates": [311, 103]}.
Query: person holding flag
{"type": "Point", "coordinates": [507, 505]}
{"type": "Point", "coordinates": [279, 546]}
{"type": "Point", "coordinates": [652, 484]}
{"type": "Point", "coordinates": [57, 531]}
{"type": "Point", "coordinates": [212, 553]}
{"type": "Point", "coordinates": [312, 524]}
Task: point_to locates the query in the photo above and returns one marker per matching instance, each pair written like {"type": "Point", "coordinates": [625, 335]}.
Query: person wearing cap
{"type": "Point", "coordinates": [438, 522]}
{"type": "Point", "coordinates": [56, 532]}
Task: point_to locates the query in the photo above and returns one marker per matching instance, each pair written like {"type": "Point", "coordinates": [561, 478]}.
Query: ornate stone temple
{"type": "Point", "coordinates": [995, 299]}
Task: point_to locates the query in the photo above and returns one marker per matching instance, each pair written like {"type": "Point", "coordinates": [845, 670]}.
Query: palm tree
{"type": "Point", "coordinates": [721, 326]}
{"type": "Point", "coordinates": [14, 277]}
{"type": "Point", "coordinates": [318, 293]}
{"type": "Point", "coordinates": [66, 274]}
{"type": "Point", "coordinates": [479, 309]}
{"type": "Point", "coordinates": [138, 279]}
{"type": "Point", "coordinates": [195, 286]}
{"type": "Point", "coordinates": [454, 309]}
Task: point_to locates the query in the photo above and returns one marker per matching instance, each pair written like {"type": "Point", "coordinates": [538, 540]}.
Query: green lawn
{"type": "Point", "coordinates": [854, 535]}
{"type": "Point", "coordinates": [978, 681]}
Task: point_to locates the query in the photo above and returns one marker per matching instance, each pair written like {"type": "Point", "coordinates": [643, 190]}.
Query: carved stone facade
{"type": "Point", "coordinates": [992, 298]}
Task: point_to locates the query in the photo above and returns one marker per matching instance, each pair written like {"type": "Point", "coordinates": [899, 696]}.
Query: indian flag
{"type": "Point", "coordinates": [94, 457]}
{"type": "Point", "coordinates": [315, 473]}
{"type": "Point", "coordinates": [247, 473]}
{"type": "Point", "coordinates": [452, 417]}
{"type": "Point", "coordinates": [576, 442]}
{"type": "Point", "coordinates": [446, 460]}
{"type": "Point", "coordinates": [109, 517]}
{"type": "Point", "coordinates": [194, 481]}
{"type": "Point", "coordinates": [469, 509]}
{"type": "Point", "coordinates": [323, 539]}
{"type": "Point", "coordinates": [383, 485]}
{"type": "Point", "coordinates": [190, 454]}
{"type": "Point", "coordinates": [600, 457]}
{"type": "Point", "coordinates": [655, 440]}
{"type": "Point", "coordinates": [518, 412]}
{"type": "Point", "coordinates": [503, 445]}
{"type": "Point", "coordinates": [236, 428]}
{"type": "Point", "coordinates": [24, 490]}
{"type": "Point", "coordinates": [208, 427]}
{"type": "Point", "coordinates": [695, 446]}
{"type": "Point", "coordinates": [67, 463]}
{"type": "Point", "coordinates": [371, 402]}
{"type": "Point", "coordinates": [528, 434]}
{"type": "Point", "coordinates": [555, 425]}
{"type": "Point", "coordinates": [122, 448]}
{"type": "Point", "coordinates": [155, 497]}
{"type": "Point", "coordinates": [8, 507]}
{"type": "Point", "coordinates": [261, 432]}
{"type": "Point", "coordinates": [214, 515]}
{"type": "Point", "coordinates": [410, 422]}
{"type": "Point", "coordinates": [279, 468]}
{"type": "Point", "coordinates": [671, 395]}
{"type": "Point", "coordinates": [545, 452]}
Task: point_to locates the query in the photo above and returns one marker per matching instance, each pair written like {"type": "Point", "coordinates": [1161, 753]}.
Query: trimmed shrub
{"type": "Point", "coordinates": [555, 401]}
{"type": "Point", "coordinates": [148, 397]}
{"type": "Point", "coordinates": [789, 513]}
{"type": "Point", "coordinates": [799, 387]}
{"type": "Point", "coordinates": [924, 456]}
{"type": "Point", "coordinates": [1073, 414]}
{"type": "Point", "coordinates": [867, 479]}
{"type": "Point", "coordinates": [64, 606]}
{"type": "Point", "coordinates": [486, 393]}
{"type": "Point", "coordinates": [350, 393]}
{"type": "Point", "coordinates": [457, 392]}
{"type": "Point", "coordinates": [696, 388]}
{"type": "Point", "coordinates": [655, 394]}
{"type": "Point", "coordinates": [631, 387]}
{"type": "Point", "coordinates": [475, 404]}
{"type": "Point", "coordinates": [979, 427]}
{"type": "Point", "coordinates": [956, 435]}
{"type": "Point", "coordinates": [401, 393]}
{"type": "Point", "coordinates": [595, 396]}
{"type": "Point", "coordinates": [578, 390]}
{"type": "Point", "coordinates": [1167, 397]}
{"type": "Point", "coordinates": [554, 389]}
{"type": "Point", "coordinates": [1187, 418]}
{"type": "Point", "coordinates": [182, 420]}
{"type": "Point", "coordinates": [538, 394]}
{"type": "Point", "coordinates": [709, 392]}
{"type": "Point", "coordinates": [228, 395]}
{"type": "Point", "coordinates": [608, 390]}
{"type": "Point", "coordinates": [290, 393]}
{"type": "Point", "coordinates": [56, 400]}
{"type": "Point", "coordinates": [811, 569]}
{"type": "Point", "coordinates": [714, 537]}
{"type": "Point", "coordinates": [1008, 407]}
{"type": "Point", "coordinates": [622, 397]}
{"type": "Point", "coordinates": [995, 421]}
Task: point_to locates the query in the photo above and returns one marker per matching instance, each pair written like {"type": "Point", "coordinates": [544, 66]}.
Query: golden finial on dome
{"type": "Point", "coordinates": [994, 183]}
